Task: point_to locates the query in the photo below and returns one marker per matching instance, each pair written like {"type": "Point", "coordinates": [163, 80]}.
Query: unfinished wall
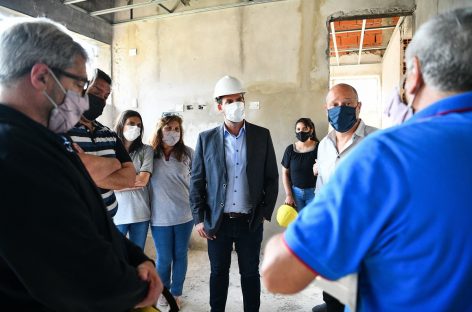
{"type": "Point", "coordinates": [391, 70]}
{"type": "Point", "coordinates": [426, 9]}
{"type": "Point", "coordinates": [277, 49]}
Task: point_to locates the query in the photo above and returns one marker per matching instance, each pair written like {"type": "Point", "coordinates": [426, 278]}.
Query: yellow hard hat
{"type": "Point", "coordinates": [286, 214]}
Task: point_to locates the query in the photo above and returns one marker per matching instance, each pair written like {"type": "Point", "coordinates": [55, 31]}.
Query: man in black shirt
{"type": "Point", "coordinates": [59, 250]}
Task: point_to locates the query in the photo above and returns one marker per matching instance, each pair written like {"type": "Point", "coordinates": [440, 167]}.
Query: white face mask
{"type": "Point", "coordinates": [131, 133]}
{"type": "Point", "coordinates": [234, 112]}
{"type": "Point", "coordinates": [63, 117]}
{"type": "Point", "coordinates": [170, 138]}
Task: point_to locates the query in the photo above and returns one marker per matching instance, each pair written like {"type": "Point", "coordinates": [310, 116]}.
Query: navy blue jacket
{"type": "Point", "coordinates": [209, 178]}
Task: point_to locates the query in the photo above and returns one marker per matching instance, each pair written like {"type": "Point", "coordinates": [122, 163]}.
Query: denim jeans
{"type": "Point", "coordinates": [172, 247]}
{"type": "Point", "coordinates": [248, 246]}
{"type": "Point", "coordinates": [137, 232]}
{"type": "Point", "coordinates": [302, 197]}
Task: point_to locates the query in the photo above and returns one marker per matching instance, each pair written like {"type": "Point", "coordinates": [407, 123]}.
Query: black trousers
{"type": "Point", "coordinates": [332, 304]}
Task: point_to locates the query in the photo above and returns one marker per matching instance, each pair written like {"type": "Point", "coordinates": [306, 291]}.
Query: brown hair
{"type": "Point", "coordinates": [179, 150]}
{"type": "Point", "coordinates": [120, 124]}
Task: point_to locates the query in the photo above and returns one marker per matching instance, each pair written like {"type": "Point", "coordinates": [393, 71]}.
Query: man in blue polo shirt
{"type": "Point", "coordinates": [398, 210]}
{"type": "Point", "coordinates": [99, 148]}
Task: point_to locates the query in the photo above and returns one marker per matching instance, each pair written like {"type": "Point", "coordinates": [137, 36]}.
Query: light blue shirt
{"type": "Point", "coordinates": [237, 190]}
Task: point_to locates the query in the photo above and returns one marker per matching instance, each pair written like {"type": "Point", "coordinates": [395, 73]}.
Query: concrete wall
{"type": "Point", "coordinates": [366, 78]}
{"type": "Point", "coordinates": [426, 9]}
{"type": "Point", "coordinates": [391, 70]}
{"type": "Point", "coordinates": [278, 50]}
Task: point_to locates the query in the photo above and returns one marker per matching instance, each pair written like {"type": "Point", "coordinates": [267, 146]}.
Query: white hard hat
{"type": "Point", "coordinates": [226, 86]}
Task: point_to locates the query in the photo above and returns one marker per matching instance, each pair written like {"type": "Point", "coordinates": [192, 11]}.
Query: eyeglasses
{"type": "Point", "coordinates": [84, 81]}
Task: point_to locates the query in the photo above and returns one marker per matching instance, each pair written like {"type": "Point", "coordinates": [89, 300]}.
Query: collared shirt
{"type": "Point", "coordinates": [237, 190]}
{"type": "Point", "coordinates": [398, 211]}
{"type": "Point", "coordinates": [329, 157]}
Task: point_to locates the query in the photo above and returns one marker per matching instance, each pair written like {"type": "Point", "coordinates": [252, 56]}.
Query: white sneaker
{"type": "Point", "coordinates": [162, 301]}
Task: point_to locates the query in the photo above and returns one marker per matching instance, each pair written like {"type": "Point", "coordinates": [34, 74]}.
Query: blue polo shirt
{"type": "Point", "coordinates": [398, 211]}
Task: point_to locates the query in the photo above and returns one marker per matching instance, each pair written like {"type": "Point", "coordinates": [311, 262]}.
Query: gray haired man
{"type": "Point", "coordinates": [59, 251]}
{"type": "Point", "coordinates": [387, 212]}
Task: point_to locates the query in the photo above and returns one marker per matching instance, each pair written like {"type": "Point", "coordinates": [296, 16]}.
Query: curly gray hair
{"type": "Point", "coordinates": [443, 46]}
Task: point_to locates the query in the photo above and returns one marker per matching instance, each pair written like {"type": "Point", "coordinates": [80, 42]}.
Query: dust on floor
{"type": "Point", "coordinates": [196, 289]}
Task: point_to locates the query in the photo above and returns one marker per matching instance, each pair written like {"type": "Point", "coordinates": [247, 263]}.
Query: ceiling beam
{"type": "Point", "coordinates": [74, 20]}
{"type": "Point", "coordinates": [364, 49]}
{"type": "Point", "coordinates": [187, 12]}
{"type": "Point", "coordinates": [367, 29]}
{"type": "Point", "coordinates": [335, 44]}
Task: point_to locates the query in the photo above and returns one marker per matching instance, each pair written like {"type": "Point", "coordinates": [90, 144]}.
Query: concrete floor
{"type": "Point", "coordinates": [196, 288]}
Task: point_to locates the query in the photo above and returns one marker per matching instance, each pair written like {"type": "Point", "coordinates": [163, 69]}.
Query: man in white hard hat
{"type": "Point", "coordinates": [233, 189]}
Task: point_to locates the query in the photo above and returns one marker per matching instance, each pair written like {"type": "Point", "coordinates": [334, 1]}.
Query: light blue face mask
{"type": "Point", "coordinates": [342, 118]}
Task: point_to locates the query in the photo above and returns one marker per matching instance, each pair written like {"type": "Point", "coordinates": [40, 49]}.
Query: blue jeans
{"type": "Point", "coordinates": [137, 232]}
{"type": "Point", "coordinates": [302, 197]}
{"type": "Point", "coordinates": [248, 247]}
{"type": "Point", "coordinates": [171, 247]}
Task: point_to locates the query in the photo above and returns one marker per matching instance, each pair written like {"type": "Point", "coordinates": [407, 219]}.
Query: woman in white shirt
{"type": "Point", "coordinates": [134, 210]}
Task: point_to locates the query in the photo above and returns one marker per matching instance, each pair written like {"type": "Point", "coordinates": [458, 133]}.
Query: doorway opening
{"type": "Point", "coordinates": [367, 52]}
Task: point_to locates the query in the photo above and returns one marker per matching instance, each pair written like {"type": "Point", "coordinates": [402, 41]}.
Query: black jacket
{"type": "Point", "coordinates": [59, 250]}
{"type": "Point", "coordinates": [209, 179]}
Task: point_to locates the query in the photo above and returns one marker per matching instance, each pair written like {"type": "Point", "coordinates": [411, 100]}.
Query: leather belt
{"type": "Point", "coordinates": [235, 215]}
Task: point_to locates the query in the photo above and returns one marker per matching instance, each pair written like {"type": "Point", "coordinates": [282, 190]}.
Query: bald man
{"type": "Point", "coordinates": [343, 109]}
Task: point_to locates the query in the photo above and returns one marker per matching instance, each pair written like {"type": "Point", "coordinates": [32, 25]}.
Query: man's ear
{"type": "Point", "coordinates": [39, 75]}
{"type": "Point", "coordinates": [414, 79]}
{"type": "Point", "coordinates": [219, 107]}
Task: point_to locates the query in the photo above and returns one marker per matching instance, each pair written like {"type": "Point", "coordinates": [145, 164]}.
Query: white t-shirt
{"type": "Point", "coordinates": [134, 205]}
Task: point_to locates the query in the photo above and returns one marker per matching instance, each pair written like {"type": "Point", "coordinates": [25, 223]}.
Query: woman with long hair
{"type": "Point", "coordinates": [134, 210]}
{"type": "Point", "coordinates": [171, 218]}
{"type": "Point", "coordinates": [298, 176]}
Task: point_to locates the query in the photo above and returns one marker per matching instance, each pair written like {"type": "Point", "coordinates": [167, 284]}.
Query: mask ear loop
{"type": "Point", "coordinates": [54, 104]}
{"type": "Point", "coordinates": [57, 81]}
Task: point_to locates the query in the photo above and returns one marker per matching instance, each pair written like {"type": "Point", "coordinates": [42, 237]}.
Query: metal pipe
{"type": "Point", "coordinates": [72, 1]}
{"type": "Point", "coordinates": [126, 7]}
{"type": "Point", "coordinates": [218, 7]}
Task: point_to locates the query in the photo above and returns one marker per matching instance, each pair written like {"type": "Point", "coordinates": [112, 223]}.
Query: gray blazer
{"type": "Point", "coordinates": [209, 177]}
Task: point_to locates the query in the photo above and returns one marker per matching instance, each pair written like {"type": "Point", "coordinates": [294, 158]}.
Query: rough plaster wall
{"type": "Point", "coordinates": [278, 50]}
{"type": "Point", "coordinates": [370, 110]}
{"type": "Point", "coordinates": [429, 8]}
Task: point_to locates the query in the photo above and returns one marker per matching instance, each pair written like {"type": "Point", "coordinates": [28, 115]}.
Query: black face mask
{"type": "Point", "coordinates": [96, 106]}
{"type": "Point", "coordinates": [303, 136]}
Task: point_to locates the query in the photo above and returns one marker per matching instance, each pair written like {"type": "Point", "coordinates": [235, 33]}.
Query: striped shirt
{"type": "Point", "coordinates": [104, 142]}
